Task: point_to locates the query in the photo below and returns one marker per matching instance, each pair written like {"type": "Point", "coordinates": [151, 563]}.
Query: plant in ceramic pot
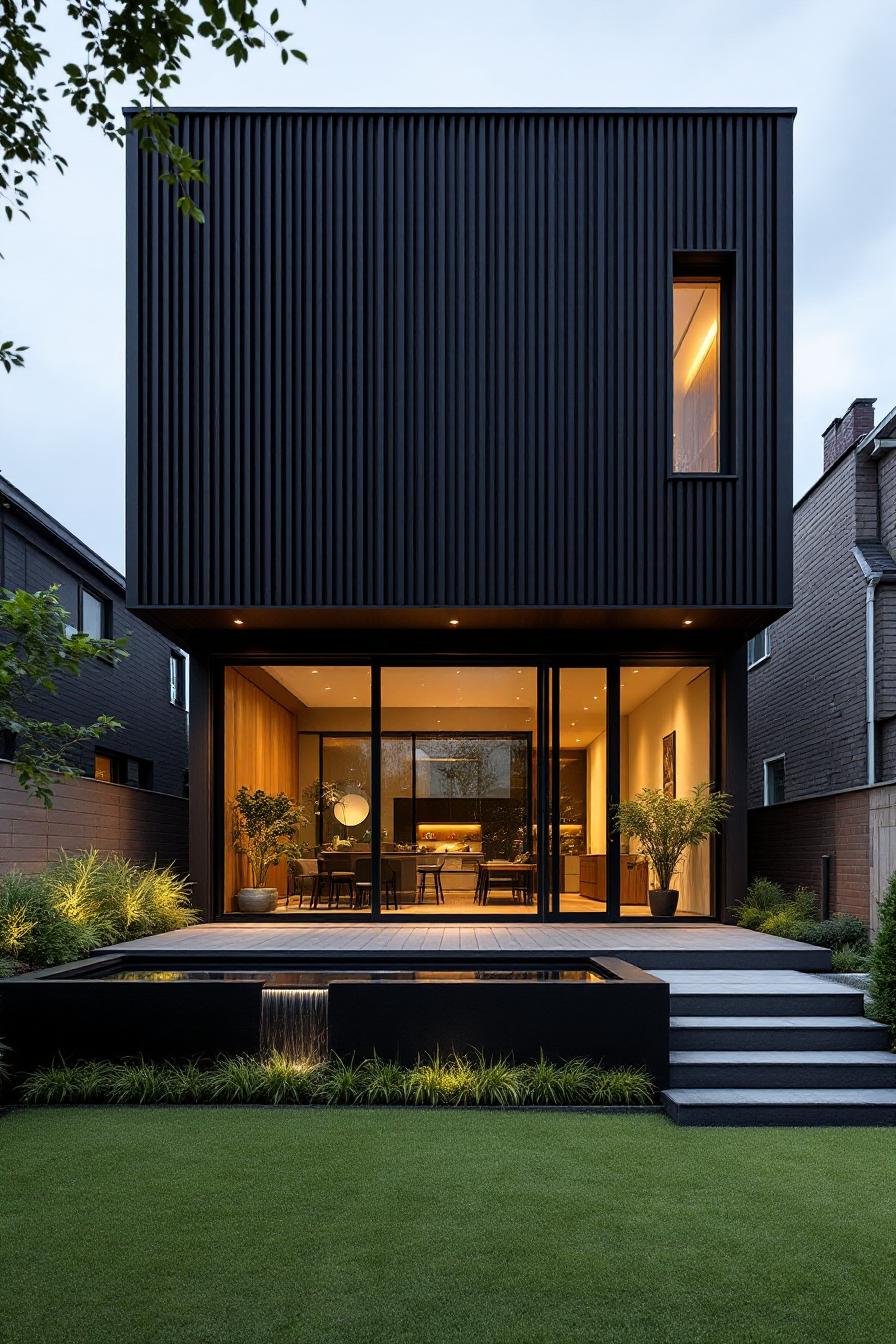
{"type": "Point", "coordinates": [665, 828]}
{"type": "Point", "coordinates": [264, 832]}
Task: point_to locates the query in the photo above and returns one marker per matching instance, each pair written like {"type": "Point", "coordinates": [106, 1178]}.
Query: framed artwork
{"type": "Point", "coordinates": [669, 765]}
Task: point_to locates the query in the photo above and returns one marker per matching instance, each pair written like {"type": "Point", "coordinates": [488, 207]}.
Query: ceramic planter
{"type": "Point", "coordinates": [257, 900]}
{"type": "Point", "coordinates": [663, 903]}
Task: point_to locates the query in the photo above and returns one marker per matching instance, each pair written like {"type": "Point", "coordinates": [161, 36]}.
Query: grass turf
{"type": "Point", "coordinates": [375, 1225]}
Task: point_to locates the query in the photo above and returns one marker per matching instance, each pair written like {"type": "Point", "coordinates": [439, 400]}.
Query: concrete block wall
{"type": "Point", "coordinates": [144, 826]}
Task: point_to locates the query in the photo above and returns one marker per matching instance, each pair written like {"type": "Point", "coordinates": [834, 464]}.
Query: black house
{"type": "Point", "coordinates": [146, 691]}
{"type": "Point", "coordinates": [459, 451]}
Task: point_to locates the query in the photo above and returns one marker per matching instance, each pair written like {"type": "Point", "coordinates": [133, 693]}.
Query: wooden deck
{"type": "Point", "coordinates": [670, 946]}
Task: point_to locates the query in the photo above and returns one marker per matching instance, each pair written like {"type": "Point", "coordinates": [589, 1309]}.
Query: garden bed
{"type": "Point", "coordinates": [279, 1081]}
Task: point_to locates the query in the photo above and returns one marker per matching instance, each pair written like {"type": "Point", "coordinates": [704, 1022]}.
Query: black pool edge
{"type": "Point", "coordinates": [74, 1012]}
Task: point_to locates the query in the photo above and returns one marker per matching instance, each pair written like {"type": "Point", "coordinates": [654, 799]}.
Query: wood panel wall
{"type": "Point", "coordinates": [260, 751]}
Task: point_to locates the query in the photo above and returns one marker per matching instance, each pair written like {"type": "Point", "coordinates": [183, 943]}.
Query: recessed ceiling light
{"type": "Point", "coordinates": [572, 723]}
{"type": "Point", "coordinates": [635, 671]}
{"type": "Point", "coordinates": [688, 622]}
{"type": "Point", "coordinates": [578, 739]}
{"type": "Point", "coordinates": [314, 672]}
{"type": "Point", "coordinates": [237, 621]}
{"type": "Point", "coordinates": [327, 688]}
{"type": "Point", "coordinates": [354, 697]}
{"type": "Point", "coordinates": [454, 621]}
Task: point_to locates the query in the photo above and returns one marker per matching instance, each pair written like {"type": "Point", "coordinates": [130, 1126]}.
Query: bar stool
{"type": "Point", "coordinates": [433, 870]}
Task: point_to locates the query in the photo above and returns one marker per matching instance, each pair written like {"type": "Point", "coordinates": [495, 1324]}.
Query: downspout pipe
{"type": "Point", "coordinates": [870, 590]}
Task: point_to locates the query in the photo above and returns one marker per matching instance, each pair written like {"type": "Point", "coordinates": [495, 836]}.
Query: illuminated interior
{"type": "Point", "coordinates": [459, 766]}
{"type": "Point", "coordinates": [695, 375]}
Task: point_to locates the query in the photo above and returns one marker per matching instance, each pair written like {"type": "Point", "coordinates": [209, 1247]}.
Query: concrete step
{"type": "Point", "coordinates": [791, 1069]}
{"type": "Point", "coordinates": [777, 1033]}
{"type": "Point", "coordinates": [781, 1106]}
{"type": "Point", "coordinates": [758, 994]}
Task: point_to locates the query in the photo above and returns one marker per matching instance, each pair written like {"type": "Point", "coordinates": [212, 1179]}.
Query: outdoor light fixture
{"type": "Point", "coordinates": [687, 622]}
{"type": "Point", "coordinates": [237, 621]}
{"type": "Point", "coordinates": [454, 621]}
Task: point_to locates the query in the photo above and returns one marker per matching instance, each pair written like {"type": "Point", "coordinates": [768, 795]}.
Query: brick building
{"type": "Point", "coordinates": [822, 679]}
{"type": "Point", "coordinates": [146, 692]}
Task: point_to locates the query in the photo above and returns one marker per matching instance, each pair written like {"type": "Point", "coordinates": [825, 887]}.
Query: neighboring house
{"type": "Point", "coordinates": [459, 459]}
{"type": "Point", "coordinates": [146, 692]}
{"type": "Point", "coordinates": [822, 679]}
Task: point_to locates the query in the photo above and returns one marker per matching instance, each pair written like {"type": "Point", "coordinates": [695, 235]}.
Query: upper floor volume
{"type": "Point", "coordinates": [484, 358]}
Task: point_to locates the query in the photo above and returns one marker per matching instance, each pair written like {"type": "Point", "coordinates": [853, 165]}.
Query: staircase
{"type": "Point", "coordinates": [774, 1047]}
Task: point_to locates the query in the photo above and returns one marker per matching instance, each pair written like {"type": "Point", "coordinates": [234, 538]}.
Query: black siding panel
{"type": "Point", "coordinates": [422, 358]}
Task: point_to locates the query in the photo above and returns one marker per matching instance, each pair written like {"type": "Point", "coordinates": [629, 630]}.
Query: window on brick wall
{"type": "Point", "coordinates": [114, 767]}
{"type": "Point", "coordinates": [94, 615]}
{"type": "Point", "coordinates": [773, 780]}
{"type": "Point", "coordinates": [177, 678]}
{"type": "Point", "coordinates": [759, 648]}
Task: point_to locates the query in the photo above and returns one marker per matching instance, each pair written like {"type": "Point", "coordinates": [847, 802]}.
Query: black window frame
{"type": "Point", "coordinates": [105, 606]}
{"type": "Point", "coordinates": [120, 762]}
{"type": "Point", "coordinates": [714, 268]}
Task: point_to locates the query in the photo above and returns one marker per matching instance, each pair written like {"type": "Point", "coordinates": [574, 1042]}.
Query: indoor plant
{"type": "Point", "coordinates": [665, 828]}
{"type": "Point", "coordinates": [264, 827]}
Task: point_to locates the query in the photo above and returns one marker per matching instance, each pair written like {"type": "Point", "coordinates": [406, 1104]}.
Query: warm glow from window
{"type": "Point", "coordinates": [695, 375]}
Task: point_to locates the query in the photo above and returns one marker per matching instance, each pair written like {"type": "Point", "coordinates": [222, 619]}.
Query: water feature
{"type": "Point", "coordinates": [294, 1022]}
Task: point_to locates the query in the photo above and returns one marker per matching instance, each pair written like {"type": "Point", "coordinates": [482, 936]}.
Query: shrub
{"type": "Point", "coordinates": [85, 901]}
{"type": "Point", "coordinates": [32, 929]}
{"type": "Point", "coordinates": [750, 916]}
{"type": "Point", "coordinates": [839, 931]}
{"type": "Point", "coordinates": [883, 960]}
{"type": "Point", "coordinates": [850, 957]}
{"type": "Point", "coordinates": [783, 924]}
{"type": "Point", "coordinates": [454, 1081]}
{"type": "Point", "coordinates": [764, 896]}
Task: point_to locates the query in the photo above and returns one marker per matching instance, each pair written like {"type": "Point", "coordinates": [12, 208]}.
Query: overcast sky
{"type": "Point", "coordinates": [62, 280]}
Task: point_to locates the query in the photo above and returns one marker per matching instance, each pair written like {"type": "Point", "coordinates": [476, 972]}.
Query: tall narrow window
{"type": "Point", "coordinates": [774, 780]}
{"type": "Point", "coordinates": [177, 679]}
{"type": "Point", "coordinates": [94, 615]}
{"type": "Point", "coordinates": [696, 311]}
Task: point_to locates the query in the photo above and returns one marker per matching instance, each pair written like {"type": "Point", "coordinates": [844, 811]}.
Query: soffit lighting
{"type": "Point", "coordinates": [237, 621]}
{"type": "Point", "coordinates": [453, 621]}
{"type": "Point", "coordinates": [687, 622]}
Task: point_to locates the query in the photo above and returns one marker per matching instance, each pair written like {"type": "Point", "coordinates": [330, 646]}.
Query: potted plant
{"type": "Point", "coordinates": [665, 827]}
{"type": "Point", "coordinates": [264, 827]}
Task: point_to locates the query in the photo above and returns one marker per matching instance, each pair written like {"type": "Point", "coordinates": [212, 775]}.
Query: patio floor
{"type": "Point", "coordinates": [669, 946]}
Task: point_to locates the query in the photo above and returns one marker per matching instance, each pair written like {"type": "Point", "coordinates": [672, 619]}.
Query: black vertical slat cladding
{"type": "Point", "coordinates": [422, 358]}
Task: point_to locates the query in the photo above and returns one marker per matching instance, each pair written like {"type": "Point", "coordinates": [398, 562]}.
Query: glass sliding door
{"type": "Point", "coordinates": [457, 791]}
{"type": "Point", "coordinates": [300, 734]}
{"type": "Point", "coordinates": [580, 772]}
{"type": "Point", "coordinates": [664, 743]}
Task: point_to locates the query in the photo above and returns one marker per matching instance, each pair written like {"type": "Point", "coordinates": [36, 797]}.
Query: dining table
{"type": "Point", "coordinates": [521, 875]}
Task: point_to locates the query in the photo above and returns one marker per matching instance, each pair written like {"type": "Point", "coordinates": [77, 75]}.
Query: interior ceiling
{"type": "Point", "coordinates": [582, 691]}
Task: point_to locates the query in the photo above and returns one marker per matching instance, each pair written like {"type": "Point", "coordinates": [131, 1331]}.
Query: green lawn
{"type": "Point", "coordinates": [242, 1225]}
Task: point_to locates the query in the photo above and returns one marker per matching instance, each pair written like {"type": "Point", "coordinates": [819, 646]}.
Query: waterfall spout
{"type": "Point", "coordinates": [294, 1022]}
